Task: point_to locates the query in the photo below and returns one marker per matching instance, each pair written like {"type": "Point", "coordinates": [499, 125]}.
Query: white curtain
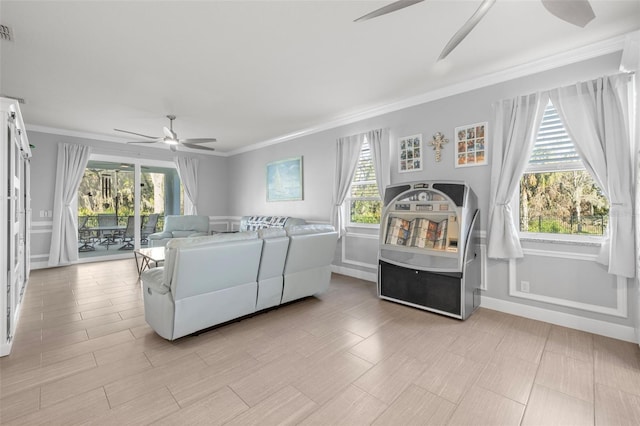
{"type": "Point", "coordinates": [378, 139]}
{"type": "Point", "coordinates": [72, 160]}
{"type": "Point", "coordinates": [347, 154]}
{"type": "Point", "coordinates": [516, 123]}
{"type": "Point", "coordinates": [188, 172]}
{"type": "Point", "coordinates": [596, 115]}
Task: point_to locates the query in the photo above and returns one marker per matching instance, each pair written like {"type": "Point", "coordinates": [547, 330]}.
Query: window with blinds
{"type": "Point", "coordinates": [553, 149]}
{"type": "Point", "coordinates": [364, 200]}
{"type": "Point", "coordinates": [557, 193]}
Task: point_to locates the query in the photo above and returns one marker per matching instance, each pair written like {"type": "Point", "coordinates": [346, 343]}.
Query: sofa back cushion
{"type": "Point", "coordinates": [186, 223]}
{"type": "Point", "coordinates": [176, 245]}
{"type": "Point", "coordinates": [274, 252]}
{"type": "Point", "coordinates": [311, 246]}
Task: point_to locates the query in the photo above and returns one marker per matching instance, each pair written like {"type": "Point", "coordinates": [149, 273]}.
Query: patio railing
{"type": "Point", "coordinates": [586, 225]}
{"type": "Point", "coordinates": [92, 221]}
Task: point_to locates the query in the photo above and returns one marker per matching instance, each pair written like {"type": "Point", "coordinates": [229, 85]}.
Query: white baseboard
{"type": "Point", "coordinates": [355, 273]}
{"type": "Point", "coordinates": [603, 328]}
{"type": "Point", "coordinates": [39, 265]}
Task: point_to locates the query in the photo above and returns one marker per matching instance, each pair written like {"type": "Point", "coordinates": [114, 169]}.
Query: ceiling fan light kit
{"type": "Point", "coordinates": [171, 138]}
{"type": "Point", "coordinates": [576, 12]}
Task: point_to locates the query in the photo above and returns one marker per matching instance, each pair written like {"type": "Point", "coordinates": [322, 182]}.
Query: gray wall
{"type": "Point", "coordinates": [561, 287]}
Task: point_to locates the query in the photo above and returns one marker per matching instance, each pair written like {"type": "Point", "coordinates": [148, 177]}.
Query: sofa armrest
{"type": "Point", "coordinates": [160, 235]}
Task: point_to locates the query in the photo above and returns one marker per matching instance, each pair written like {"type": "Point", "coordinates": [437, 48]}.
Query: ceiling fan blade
{"type": "Point", "coordinates": [153, 141]}
{"type": "Point", "coordinates": [400, 4]}
{"type": "Point", "coordinates": [169, 133]}
{"type": "Point", "coordinates": [194, 146]}
{"type": "Point", "coordinates": [576, 12]}
{"type": "Point", "coordinates": [198, 140]}
{"type": "Point", "coordinates": [466, 28]}
{"type": "Point", "coordinates": [137, 134]}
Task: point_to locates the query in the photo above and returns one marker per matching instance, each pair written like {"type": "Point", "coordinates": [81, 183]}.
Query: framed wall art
{"type": "Point", "coordinates": [410, 154]}
{"type": "Point", "coordinates": [471, 145]}
{"type": "Point", "coordinates": [284, 180]}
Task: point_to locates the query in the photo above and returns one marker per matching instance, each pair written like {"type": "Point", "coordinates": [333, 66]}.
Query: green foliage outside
{"type": "Point", "coordinates": [588, 225]}
{"type": "Point", "coordinates": [562, 203]}
{"type": "Point", "coordinates": [94, 196]}
{"type": "Point", "coordinates": [365, 211]}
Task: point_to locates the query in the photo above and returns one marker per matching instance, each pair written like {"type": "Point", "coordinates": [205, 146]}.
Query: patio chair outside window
{"type": "Point", "coordinates": [149, 228]}
{"type": "Point", "coordinates": [108, 224]}
{"type": "Point", "coordinates": [129, 234]}
{"type": "Point", "coordinates": [85, 235]}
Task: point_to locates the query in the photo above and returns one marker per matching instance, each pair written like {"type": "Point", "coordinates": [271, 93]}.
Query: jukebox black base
{"type": "Point", "coordinates": [441, 292]}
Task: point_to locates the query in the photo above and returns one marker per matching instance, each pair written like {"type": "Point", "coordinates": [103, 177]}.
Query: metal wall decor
{"type": "Point", "coordinates": [438, 141]}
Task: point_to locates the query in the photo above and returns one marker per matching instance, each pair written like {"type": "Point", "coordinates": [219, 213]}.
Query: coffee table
{"type": "Point", "coordinates": [147, 256]}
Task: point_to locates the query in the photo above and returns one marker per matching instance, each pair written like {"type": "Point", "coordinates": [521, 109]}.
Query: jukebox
{"type": "Point", "coordinates": [429, 255]}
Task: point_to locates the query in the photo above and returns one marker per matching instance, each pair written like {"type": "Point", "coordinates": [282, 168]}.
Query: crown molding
{"type": "Point", "coordinates": [566, 58]}
{"type": "Point", "coordinates": [106, 138]}
{"type": "Point", "coordinates": [630, 61]}
{"type": "Point", "coordinates": [73, 133]}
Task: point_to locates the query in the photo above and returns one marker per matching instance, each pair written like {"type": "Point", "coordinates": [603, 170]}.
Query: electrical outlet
{"type": "Point", "coordinates": [524, 286]}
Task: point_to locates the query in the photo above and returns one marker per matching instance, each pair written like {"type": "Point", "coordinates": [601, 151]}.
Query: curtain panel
{"type": "Point", "coordinates": [72, 161]}
{"type": "Point", "coordinates": [596, 115]}
{"type": "Point", "coordinates": [347, 154]}
{"type": "Point", "coordinates": [516, 122]}
{"type": "Point", "coordinates": [188, 173]}
{"type": "Point", "coordinates": [377, 139]}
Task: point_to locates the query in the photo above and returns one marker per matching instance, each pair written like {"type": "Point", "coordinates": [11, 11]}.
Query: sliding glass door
{"type": "Point", "coordinates": [161, 195]}
{"type": "Point", "coordinates": [121, 203]}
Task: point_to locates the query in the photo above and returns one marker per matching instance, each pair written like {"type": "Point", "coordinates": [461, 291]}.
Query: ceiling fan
{"type": "Point", "coordinates": [171, 138]}
{"type": "Point", "coordinates": [576, 12]}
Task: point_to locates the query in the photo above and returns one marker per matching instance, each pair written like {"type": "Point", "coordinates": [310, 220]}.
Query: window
{"type": "Point", "coordinates": [557, 194]}
{"type": "Point", "coordinates": [363, 199]}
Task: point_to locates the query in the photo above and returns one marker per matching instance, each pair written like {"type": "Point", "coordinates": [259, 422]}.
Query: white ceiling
{"type": "Point", "coordinates": [249, 72]}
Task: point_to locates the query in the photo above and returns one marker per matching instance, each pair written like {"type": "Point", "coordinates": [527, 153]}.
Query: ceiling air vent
{"type": "Point", "coordinates": [6, 33]}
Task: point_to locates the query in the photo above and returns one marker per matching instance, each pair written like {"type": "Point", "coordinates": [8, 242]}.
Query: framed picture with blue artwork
{"type": "Point", "coordinates": [284, 180]}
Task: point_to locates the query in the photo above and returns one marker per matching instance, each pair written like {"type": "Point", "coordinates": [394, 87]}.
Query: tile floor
{"type": "Point", "coordinates": [84, 355]}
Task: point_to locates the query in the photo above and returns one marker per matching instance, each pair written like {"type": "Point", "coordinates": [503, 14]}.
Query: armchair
{"type": "Point", "coordinates": [180, 227]}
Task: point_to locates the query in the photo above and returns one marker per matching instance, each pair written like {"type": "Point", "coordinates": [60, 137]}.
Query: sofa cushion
{"type": "Point", "coordinates": [176, 243]}
{"type": "Point", "coordinates": [186, 223]}
{"type": "Point", "coordinates": [309, 229]}
{"type": "Point", "coordinates": [181, 234]}
{"type": "Point", "coordinates": [265, 233]}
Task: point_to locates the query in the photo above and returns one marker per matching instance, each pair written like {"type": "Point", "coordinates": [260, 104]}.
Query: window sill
{"type": "Point", "coordinates": [363, 225]}
{"type": "Point", "coordinates": [569, 240]}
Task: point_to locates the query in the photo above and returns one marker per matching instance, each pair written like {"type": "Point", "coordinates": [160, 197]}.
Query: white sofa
{"type": "Point", "coordinates": [180, 227]}
{"type": "Point", "coordinates": [206, 281]}
{"type": "Point", "coordinates": [307, 270]}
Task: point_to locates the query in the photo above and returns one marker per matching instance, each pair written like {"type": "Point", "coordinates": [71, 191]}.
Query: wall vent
{"type": "Point", "coordinates": [5, 33]}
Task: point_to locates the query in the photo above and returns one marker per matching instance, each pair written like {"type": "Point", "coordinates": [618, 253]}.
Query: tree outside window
{"type": "Point", "coordinates": [557, 194]}
{"type": "Point", "coordinates": [363, 200]}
